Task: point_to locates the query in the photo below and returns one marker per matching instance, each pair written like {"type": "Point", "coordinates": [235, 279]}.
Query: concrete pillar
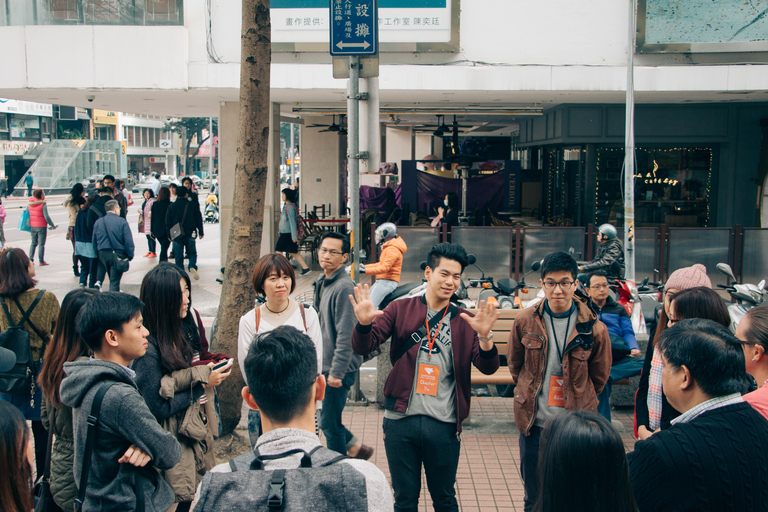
{"type": "Point", "coordinates": [399, 144]}
{"type": "Point", "coordinates": [272, 197]}
{"type": "Point", "coordinates": [229, 122]}
{"type": "Point", "coordinates": [422, 143]}
{"type": "Point", "coordinates": [321, 163]}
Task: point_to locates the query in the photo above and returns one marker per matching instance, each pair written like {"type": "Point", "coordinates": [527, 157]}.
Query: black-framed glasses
{"type": "Point", "coordinates": [564, 285]}
{"type": "Point", "coordinates": [323, 250]}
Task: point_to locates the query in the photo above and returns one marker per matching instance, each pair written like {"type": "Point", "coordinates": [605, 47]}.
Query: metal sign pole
{"type": "Point", "coordinates": [629, 154]}
{"type": "Point", "coordinates": [353, 156]}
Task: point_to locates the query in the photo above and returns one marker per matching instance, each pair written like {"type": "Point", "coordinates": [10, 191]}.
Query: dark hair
{"type": "Point", "coordinates": [337, 236]}
{"type": "Point", "coordinates": [710, 352]}
{"type": "Point", "coordinates": [107, 190]}
{"type": "Point", "coordinates": [76, 191]}
{"type": "Point", "coordinates": [151, 192]}
{"type": "Point", "coordinates": [267, 264]}
{"type": "Point", "coordinates": [453, 201]}
{"type": "Point", "coordinates": [599, 273]}
{"type": "Point", "coordinates": [558, 262]}
{"type": "Point", "coordinates": [181, 191]}
{"type": "Point", "coordinates": [106, 311]}
{"type": "Point", "coordinates": [65, 345]}
{"type": "Point", "coordinates": [119, 184]}
{"type": "Point", "coordinates": [161, 295]}
{"type": "Point", "coordinates": [16, 485]}
{"type": "Point", "coordinates": [91, 199]}
{"type": "Point", "coordinates": [583, 443]}
{"type": "Point", "coordinates": [700, 302]}
{"type": "Point", "coordinates": [186, 178]}
{"type": "Point", "coordinates": [14, 272]}
{"type": "Point", "coordinates": [280, 368]}
{"type": "Point", "coordinates": [290, 194]}
{"type": "Point", "coordinates": [448, 251]}
{"type": "Point", "coordinates": [108, 177]}
{"type": "Point", "coordinates": [37, 193]}
{"type": "Point", "coordinates": [164, 194]}
{"type": "Point", "coordinates": [756, 332]}
{"type": "Point", "coordinates": [112, 204]}
{"type": "Point", "coordinates": [173, 186]}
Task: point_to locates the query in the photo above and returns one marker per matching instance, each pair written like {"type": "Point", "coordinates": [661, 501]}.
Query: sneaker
{"type": "Point", "coordinates": [43, 263]}
{"type": "Point", "coordinates": [97, 285]}
{"type": "Point", "coordinates": [306, 271]}
{"type": "Point", "coordinates": [148, 255]}
{"type": "Point", "coordinates": [194, 274]}
{"type": "Point", "coordinates": [152, 255]}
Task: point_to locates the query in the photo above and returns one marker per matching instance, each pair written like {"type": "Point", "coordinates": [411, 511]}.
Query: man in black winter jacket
{"type": "Point", "coordinates": [187, 214]}
{"type": "Point", "coordinates": [610, 251]}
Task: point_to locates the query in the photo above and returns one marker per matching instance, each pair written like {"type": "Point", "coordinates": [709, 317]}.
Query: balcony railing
{"type": "Point", "coordinates": [91, 12]}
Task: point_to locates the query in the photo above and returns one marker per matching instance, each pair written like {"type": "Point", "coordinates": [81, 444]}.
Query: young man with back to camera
{"type": "Point", "coordinates": [559, 356]}
{"type": "Point", "coordinates": [427, 393]}
{"type": "Point", "coordinates": [284, 384]}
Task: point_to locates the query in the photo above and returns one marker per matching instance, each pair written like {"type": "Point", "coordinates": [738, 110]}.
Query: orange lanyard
{"type": "Point", "coordinates": [431, 339]}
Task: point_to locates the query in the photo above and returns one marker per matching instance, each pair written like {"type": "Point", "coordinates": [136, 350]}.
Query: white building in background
{"type": "Point", "coordinates": [548, 75]}
{"type": "Point", "coordinates": [149, 148]}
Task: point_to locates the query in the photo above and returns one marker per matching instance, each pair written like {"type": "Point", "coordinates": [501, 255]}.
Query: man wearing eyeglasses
{"type": "Point", "coordinates": [340, 364]}
{"type": "Point", "coordinates": [559, 356]}
{"type": "Point", "coordinates": [625, 351]}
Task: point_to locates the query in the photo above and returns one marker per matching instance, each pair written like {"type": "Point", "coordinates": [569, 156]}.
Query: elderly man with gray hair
{"type": "Point", "coordinates": [114, 244]}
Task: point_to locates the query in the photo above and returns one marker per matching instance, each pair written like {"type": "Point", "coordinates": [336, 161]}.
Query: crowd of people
{"type": "Point", "coordinates": [126, 387]}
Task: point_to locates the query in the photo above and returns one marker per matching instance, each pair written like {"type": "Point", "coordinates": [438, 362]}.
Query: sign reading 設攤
{"type": "Point", "coordinates": [354, 27]}
{"type": "Point", "coordinates": [398, 21]}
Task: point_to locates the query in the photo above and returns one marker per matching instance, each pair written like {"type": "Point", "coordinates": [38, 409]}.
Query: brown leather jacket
{"type": "Point", "coordinates": [586, 363]}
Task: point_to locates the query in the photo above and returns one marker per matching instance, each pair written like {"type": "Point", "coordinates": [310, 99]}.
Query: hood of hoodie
{"type": "Point", "coordinates": [397, 243]}
{"type": "Point", "coordinates": [82, 375]}
{"type": "Point", "coordinates": [33, 201]}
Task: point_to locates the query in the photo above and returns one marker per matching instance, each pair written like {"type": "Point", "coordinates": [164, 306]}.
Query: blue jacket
{"type": "Point", "coordinates": [616, 319]}
{"type": "Point", "coordinates": [119, 231]}
{"type": "Point", "coordinates": [289, 219]}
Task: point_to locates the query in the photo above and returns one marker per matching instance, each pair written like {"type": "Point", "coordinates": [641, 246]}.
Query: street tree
{"type": "Point", "coordinates": [189, 128]}
{"type": "Point", "coordinates": [244, 238]}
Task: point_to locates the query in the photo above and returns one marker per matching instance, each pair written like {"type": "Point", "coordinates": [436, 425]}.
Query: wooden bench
{"type": "Point", "coordinates": [501, 330]}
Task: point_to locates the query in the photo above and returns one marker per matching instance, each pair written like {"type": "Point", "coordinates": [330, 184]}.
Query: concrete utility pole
{"type": "Point", "coordinates": [629, 153]}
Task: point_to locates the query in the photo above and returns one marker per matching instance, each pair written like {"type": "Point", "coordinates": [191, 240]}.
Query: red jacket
{"type": "Point", "coordinates": [401, 319]}
{"type": "Point", "coordinates": [36, 217]}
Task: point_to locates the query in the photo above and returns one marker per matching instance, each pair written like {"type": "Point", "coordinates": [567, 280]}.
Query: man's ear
{"type": "Point", "coordinates": [246, 394]}
{"type": "Point", "coordinates": [110, 337]}
{"type": "Point", "coordinates": [320, 385]}
{"type": "Point", "coordinates": [687, 382]}
{"type": "Point", "coordinates": [427, 273]}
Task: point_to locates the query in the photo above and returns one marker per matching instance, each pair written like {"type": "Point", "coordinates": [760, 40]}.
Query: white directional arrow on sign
{"type": "Point", "coordinates": [343, 45]}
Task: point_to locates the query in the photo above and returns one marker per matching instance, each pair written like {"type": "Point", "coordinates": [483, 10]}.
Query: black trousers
{"type": "Point", "coordinates": [529, 462]}
{"type": "Point", "coordinates": [107, 259]}
{"type": "Point", "coordinates": [416, 440]}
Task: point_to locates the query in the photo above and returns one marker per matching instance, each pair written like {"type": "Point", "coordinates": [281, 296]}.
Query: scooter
{"type": "Point", "coordinates": [418, 288]}
{"type": "Point", "coordinates": [503, 291]}
{"type": "Point", "coordinates": [743, 296]}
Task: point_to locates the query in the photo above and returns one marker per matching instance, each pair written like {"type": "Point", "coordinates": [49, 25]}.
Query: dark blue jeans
{"type": "Point", "coordinates": [337, 437]}
{"type": "Point", "coordinates": [178, 251]}
{"type": "Point", "coordinates": [529, 466]}
{"type": "Point", "coordinates": [416, 440]}
{"type": "Point", "coordinates": [627, 367]}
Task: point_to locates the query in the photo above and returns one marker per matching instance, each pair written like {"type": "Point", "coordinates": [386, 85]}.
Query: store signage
{"type": "Point", "coordinates": [26, 107]}
{"type": "Point", "coordinates": [104, 117]}
{"type": "Point", "coordinates": [354, 27]}
{"type": "Point", "coordinates": [399, 21]}
{"type": "Point", "coordinates": [15, 148]}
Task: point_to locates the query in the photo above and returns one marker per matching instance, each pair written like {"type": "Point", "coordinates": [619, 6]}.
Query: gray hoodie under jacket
{"type": "Point", "coordinates": [124, 420]}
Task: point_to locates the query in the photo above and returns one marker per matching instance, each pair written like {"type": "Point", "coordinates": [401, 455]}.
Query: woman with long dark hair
{"type": "Point", "coordinates": [288, 242]}
{"type": "Point", "coordinates": [145, 221]}
{"type": "Point", "coordinates": [165, 290]}
{"type": "Point", "coordinates": [15, 462]}
{"type": "Point", "coordinates": [585, 444]}
{"type": "Point", "coordinates": [84, 248]}
{"type": "Point", "coordinates": [72, 204]}
{"type": "Point", "coordinates": [17, 293]}
{"type": "Point", "coordinates": [158, 229]}
{"type": "Point", "coordinates": [651, 416]}
{"type": "Point", "coordinates": [64, 347]}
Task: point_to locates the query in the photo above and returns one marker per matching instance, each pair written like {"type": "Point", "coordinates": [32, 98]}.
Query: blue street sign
{"type": "Point", "coordinates": [354, 27]}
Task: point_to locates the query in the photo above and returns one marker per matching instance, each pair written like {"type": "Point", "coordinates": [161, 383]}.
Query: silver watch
{"type": "Point", "coordinates": [489, 338]}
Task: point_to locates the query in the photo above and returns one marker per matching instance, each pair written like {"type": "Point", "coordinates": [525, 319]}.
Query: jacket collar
{"type": "Point", "coordinates": [330, 280]}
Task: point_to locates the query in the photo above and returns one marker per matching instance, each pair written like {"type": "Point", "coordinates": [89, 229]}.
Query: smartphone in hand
{"type": "Point", "coordinates": [222, 364]}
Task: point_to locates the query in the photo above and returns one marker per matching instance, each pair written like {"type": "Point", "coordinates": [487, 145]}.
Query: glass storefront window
{"type": "Point", "coordinates": [672, 186]}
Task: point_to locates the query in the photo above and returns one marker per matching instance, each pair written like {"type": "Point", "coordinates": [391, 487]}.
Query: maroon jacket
{"type": "Point", "coordinates": [206, 356]}
{"type": "Point", "coordinates": [401, 319]}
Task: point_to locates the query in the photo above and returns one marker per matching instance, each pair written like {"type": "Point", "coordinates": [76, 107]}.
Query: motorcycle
{"type": "Point", "coordinates": [502, 291]}
{"type": "Point", "coordinates": [651, 300]}
{"type": "Point", "coordinates": [744, 296]}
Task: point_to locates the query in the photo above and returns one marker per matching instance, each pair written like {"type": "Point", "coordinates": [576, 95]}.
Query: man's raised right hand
{"type": "Point", "coordinates": [365, 311]}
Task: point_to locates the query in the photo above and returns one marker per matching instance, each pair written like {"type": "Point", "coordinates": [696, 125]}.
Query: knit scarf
{"type": "Point", "coordinates": [654, 391]}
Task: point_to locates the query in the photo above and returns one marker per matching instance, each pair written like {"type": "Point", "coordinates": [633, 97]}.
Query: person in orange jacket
{"type": "Point", "coordinates": [387, 270]}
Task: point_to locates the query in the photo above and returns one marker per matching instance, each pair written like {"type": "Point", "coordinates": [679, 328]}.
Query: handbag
{"type": "Point", "coordinates": [121, 263]}
{"type": "Point", "coordinates": [24, 221]}
{"type": "Point", "coordinates": [42, 490]}
{"type": "Point", "coordinates": [177, 230]}
{"type": "Point", "coordinates": [141, 223]}
{"type": "Point", "coordinates": [194, 424]}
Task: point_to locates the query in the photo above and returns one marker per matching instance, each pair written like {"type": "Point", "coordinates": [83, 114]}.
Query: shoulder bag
{"type": "Point", "coordinates": [122, 263]}
{"type": "Point", "coordinates": [177, 230]}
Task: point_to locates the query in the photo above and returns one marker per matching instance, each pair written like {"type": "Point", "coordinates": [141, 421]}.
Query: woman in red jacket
{"type": "Point", "coordinates": [38, 222]}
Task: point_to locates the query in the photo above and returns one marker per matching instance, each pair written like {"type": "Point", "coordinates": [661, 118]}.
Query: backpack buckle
{"type": "Point", "coordinates": [276, 486]}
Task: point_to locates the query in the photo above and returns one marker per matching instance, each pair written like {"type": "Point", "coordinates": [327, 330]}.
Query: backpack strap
{"type": "Point", "coordinates": [25, 317]}
{"type": "Point", "coordinates": [93, 422]}
{"type": "Point", "coordinates": [303, 315]}
{"type": "Point", "coordinates": [51, 423]}
{"type": "Point", "coordinates": [257, 313]}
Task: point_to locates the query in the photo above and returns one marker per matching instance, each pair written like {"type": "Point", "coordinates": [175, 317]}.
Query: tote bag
{"type": "Point", "coordinates": [24, 221]}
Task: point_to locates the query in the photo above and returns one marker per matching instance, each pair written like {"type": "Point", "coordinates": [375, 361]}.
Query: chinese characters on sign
{"type": "Point", "coordinates": [354, 27]}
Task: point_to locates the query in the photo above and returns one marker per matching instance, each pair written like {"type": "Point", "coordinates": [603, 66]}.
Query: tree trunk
{"type": "Point", "coordinates": [243, 251]}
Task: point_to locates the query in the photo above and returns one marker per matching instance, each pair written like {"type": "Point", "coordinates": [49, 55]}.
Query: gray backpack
{"type": "Point", "coordinates": [317, 485]}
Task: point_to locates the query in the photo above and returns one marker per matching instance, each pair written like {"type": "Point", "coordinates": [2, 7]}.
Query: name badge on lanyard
{"type": "Point", "coordinates": [556, 391]}
{"type": "Point", "coordinates": [428, 378]}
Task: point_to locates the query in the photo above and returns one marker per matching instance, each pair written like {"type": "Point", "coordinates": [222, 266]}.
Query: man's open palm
{"type": "Point", "coordinates": [365, 311]}
{"type": "Point", "coordinates": [483, 321]}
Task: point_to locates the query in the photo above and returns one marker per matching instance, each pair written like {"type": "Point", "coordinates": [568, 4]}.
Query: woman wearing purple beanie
{"type": "Point", "coordinates": [652, 411]}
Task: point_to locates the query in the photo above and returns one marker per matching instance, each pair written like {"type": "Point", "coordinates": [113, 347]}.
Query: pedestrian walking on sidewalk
{"type": "Point", "coordinates": [29, 181]}
{"type": "Point", "coordinates": [39, 220]}
{"type": "Point", "coordinates": [187, 215]}
{"type": "Point", "coordinates": [145, 221]}
{"type": "Point", "coordinates": [72, 203]}
{"type": "Point", "coordinates": [3, 187]}
{"type": "Point", "coordinates": [158, 230]}
{"type": "Point", "coordinates": [289, 230]}
{"type": "Point", "coordinates": [2, 221]}
{"type": "Point", "coordinates": [84, 248]}
{"type": "Point", "coordinates": [114, 243]}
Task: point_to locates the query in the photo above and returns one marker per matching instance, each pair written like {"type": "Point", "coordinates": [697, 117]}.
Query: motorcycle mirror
{"type": "Point", "coordinates": [726, 269]}
{"type": "Point", "coordinates": [571, 251]}
{"type": "Point", "coordinates": [536, 266]}
{"type": "Point", "coordinates": [644, 282]}
{"type": "Point", "coordinates": [423, 265]}
{"type": "Point", "coordinates": [471, 259]}
{"type": "Point", "coordinates": [761, 285]}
